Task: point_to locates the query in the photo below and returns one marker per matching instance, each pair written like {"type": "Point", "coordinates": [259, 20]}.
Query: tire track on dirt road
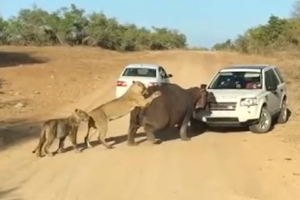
{"type": "Point", "coordinates": [232, 166]}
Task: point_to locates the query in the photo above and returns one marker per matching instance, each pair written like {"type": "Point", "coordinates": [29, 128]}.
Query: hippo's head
{"type": "Point", "coordinates": [201, 97]}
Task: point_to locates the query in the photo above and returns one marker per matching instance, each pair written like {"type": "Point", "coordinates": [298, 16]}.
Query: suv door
{"type": "Point", "coordinates": [163, 75]}
{"type": "Point", "coordinates": [273, 97]}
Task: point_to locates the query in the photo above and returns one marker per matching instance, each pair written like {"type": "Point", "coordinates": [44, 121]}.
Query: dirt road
{"type": "Point", "coordinates": [212, 166]}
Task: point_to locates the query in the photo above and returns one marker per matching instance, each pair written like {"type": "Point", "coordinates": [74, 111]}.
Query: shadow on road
{"type": "Point", "coordinates": [8, 194]}
{"type": "Point", "coordinates": [2, 81]}
{"type": "Point", "coordinates": [17, 131]}
{"type": "Point", "coordinates": [12, 59]}
{"type": "Point", "coordinates": [163, 135]}
{"type": "Point", "coordinates": [244, 129]}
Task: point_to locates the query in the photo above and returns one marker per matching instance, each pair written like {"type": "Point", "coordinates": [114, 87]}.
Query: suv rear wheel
{"type": "Point", "coordinates": [264, 124]}
{"type": "Point", "coordinates": [283, 115]}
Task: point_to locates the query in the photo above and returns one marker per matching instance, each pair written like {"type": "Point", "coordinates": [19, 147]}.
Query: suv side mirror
{"type": "Point", "coordinates": [170, 76]}
{"type": "Point", "coordinates": [271, 88]}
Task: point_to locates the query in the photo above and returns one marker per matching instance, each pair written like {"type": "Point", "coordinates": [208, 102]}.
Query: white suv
{"type": "Point", "coordinates": [147, 73]}
{"type": "Point", "coordinates": [247, 95]}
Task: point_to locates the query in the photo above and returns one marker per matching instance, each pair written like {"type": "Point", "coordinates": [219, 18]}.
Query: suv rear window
{"type": "Point", "coordinates": [143, 72]}
{"type": "Point", "coordinates": [237, 80]}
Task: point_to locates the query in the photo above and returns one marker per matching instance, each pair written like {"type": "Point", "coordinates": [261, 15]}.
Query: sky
{"type": "Point", "coordinates": [204, 22]}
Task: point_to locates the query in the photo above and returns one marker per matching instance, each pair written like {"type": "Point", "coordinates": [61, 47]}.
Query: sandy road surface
{"type": "Point", "coordinates": [213, 166]}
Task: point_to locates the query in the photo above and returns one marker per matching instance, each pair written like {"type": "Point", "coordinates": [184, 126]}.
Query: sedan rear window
{"type": "Point", "coordinates": [142, 72]}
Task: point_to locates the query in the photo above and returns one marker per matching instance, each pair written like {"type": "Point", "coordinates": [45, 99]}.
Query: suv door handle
{"type": "Point", "coordinates": [281, 90]}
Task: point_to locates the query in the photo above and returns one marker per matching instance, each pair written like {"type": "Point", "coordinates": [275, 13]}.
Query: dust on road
{"type": "Point", "coordinates": [214, 166]}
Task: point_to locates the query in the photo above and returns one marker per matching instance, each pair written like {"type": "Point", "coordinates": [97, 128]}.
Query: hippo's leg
{"type": "Point", "coordinates": [183, 129]}
{"type": "Point", "coordinates": [149, 129]}
{"type": "Point", "coordinates": [134, 125]}
{"type": "Point", "coordinates": [131, 134]}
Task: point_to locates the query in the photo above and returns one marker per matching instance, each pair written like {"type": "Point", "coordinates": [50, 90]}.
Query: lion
{"type": "Point", "coordinates": [59, 129]}
{"type": "Point", "coordinates": [115, 109]}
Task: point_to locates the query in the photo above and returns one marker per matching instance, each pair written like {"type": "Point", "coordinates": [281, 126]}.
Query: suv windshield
{"type": "Point", "coordinates": [144, 72]}
{"type": "Point", "coordinates": [237, 80]}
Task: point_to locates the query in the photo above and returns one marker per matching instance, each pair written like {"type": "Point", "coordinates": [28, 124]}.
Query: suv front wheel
{"type": "Point", "coordinates": [264, 123]}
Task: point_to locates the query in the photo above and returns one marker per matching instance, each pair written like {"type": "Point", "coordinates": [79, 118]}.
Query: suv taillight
{"type": "Point", "coordinates": [121, 83]}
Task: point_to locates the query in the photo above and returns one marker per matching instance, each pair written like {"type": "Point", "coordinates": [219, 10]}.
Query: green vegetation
{"type": "Point", "coordinates": [71, 26]}
{"type": "Point", "coordinates": [278, 34]}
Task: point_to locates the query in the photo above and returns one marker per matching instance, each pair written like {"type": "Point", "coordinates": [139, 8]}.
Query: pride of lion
{"type": "Point", "coordinates": [97, 119]}
{"type": "Point", "coordinates": [175, 107]}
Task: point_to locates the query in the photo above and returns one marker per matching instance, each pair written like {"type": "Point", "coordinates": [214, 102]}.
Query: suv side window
{"type": "Point", "coordinates": [279, 75]}
{"type": "Point", "coordinates": [271, 79]}
{"type": "Point", "coordinates": [268, 82]}
{"type": "Point", "coordinates": [274, 78]}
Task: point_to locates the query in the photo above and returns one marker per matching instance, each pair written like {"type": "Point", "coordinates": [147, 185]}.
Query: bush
{"type": "Point", "coordinates": [277, 34]}
{"type": "Point", "coordinates": [73, 27]}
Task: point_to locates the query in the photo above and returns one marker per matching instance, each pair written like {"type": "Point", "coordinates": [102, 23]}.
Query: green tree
{"type": "Point", "coordinates": [72, 26]}
{"type": "Point", "coordinates": [227, 45]}
{"type": "Point", "coordinates": [276, 35]}
{"type": "Point", "coordinates": [296, 10]}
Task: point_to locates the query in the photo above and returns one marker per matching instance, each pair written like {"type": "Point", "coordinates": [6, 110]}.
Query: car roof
{"type": "Point", "coordinates": [145, 65]}
{"type": "Point", "coordinates": [246, 67]}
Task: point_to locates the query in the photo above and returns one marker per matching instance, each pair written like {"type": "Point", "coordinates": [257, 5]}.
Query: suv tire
{"type": "Point", "coordinates": [283, 114]}
{"type": "Point", "coordinates": [264, 123]}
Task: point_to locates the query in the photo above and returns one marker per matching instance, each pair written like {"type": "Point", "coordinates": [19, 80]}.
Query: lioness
{"type": "Point", "coordinates": [115, 109]}
{"type": "Point", "coordinates": [60, 129]}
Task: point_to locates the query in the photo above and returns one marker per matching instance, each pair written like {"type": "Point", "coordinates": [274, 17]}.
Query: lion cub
{"type": "Point", "coordinates": [115, 109]}
{"type": "Point", "coordinates": [60, 129]}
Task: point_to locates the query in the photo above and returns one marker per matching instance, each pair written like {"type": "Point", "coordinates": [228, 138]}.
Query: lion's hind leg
{"type": "Point", "coordinates": [42, 140]}
{"type": "Point", "coordinates": [50, 137]}
{"type": "Point", "coordinates": [90, 131]}
{"type": "Point", "coordinates": [102, 129]}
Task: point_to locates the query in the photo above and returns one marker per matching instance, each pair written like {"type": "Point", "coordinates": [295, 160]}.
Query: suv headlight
{"type": "Point", "coordinates": [248, 102]}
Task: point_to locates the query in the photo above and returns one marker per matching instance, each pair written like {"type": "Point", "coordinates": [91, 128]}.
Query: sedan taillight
{"type": "Point", "coordinates": [121, 83]}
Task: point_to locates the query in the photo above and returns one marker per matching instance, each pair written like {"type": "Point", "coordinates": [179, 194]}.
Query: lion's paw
{"type": "Point", "coordinates": [156, 94]}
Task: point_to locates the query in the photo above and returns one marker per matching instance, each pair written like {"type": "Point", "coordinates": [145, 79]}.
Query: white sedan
{"type": "Point", "coordinates": [149, 74]}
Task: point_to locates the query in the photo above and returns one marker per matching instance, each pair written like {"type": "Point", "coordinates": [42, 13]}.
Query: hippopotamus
{"type": "Point", "coordinates": [174, 107]}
